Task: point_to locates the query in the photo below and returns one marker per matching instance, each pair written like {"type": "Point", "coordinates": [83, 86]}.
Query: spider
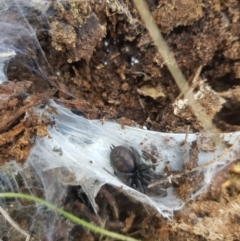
{"type": "Point", "coordinates": [127, 164]}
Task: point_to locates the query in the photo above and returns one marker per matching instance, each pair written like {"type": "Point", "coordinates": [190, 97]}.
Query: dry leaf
{"type": "Point", "coordinates": [153, 92]}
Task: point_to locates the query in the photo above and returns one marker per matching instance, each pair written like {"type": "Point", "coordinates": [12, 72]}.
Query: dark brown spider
{"type": "Point", "coordinates": [127, 164]}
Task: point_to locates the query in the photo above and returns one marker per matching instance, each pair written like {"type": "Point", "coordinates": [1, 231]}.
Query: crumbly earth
{"type": "Point", "coordinates": [99, 60]}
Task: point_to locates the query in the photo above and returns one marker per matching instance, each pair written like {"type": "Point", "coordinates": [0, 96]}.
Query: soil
{"type": "Point", "coordinates": [98, 60]}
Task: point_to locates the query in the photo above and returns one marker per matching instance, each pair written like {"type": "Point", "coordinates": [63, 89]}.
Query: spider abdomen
{"type": "Point", "coordinates": [129, 167]}
{"type": "Point", "coordinates": [122, 159]}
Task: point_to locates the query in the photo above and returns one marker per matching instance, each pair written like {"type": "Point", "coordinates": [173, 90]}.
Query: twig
{"type": "Point", "coordinates": [193, 83]}
{"type": "Point", "coordinates": [185, 147]}
{"type": "Point", "coordinates": [171, 63]}
{"type": "Point", "coordinates": [195, 78]}
{"type": "Point", "coordinates": [8, 54]}
{"type": "Point", "coordinates": [7, 137]}
{"type": "Point", "coordinates": [10, 117]}
{"type": "Point", "coordinates": [8, 218]}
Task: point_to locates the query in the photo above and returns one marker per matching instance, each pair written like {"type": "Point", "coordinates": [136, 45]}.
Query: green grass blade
{"type": "Point", "coordinates": [69, 216]}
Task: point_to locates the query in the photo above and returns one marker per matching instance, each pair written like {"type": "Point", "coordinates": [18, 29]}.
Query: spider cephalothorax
{"type": "Point", "coordinates": [128, 165]}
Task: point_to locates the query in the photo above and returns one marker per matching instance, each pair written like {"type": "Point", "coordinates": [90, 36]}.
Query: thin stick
{"type": "Point", "coordinates": [184, 153]}
{"type": "Point", "coordinates": [171, 63]}
{"type": "Point", "coordinates": [193, 83]}
{"type": "Point", "coordinates": [7, 54]}
{"type": "Point", "coordinates": [9, 219]}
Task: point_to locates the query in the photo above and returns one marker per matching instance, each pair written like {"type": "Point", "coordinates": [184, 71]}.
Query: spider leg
{"type": "Point", "coordinates": [134, 186]}
{"type": "Point", "coordinates": [124, 174]}
{"type": "Point", "coordinates": [146, 176]}
{"type": "Point", "coordinates": [144, 167]}
{"type": "Point", "coordinates": [143, 189]}
{"type": "Point", "coordinates": [130, 181]}
{"type": "Point", "coordinates": [112, 147]}
{"type": "Point", "coordinates": [139, 185]}
{"type": "Point", "coordinates": [146, 181]}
